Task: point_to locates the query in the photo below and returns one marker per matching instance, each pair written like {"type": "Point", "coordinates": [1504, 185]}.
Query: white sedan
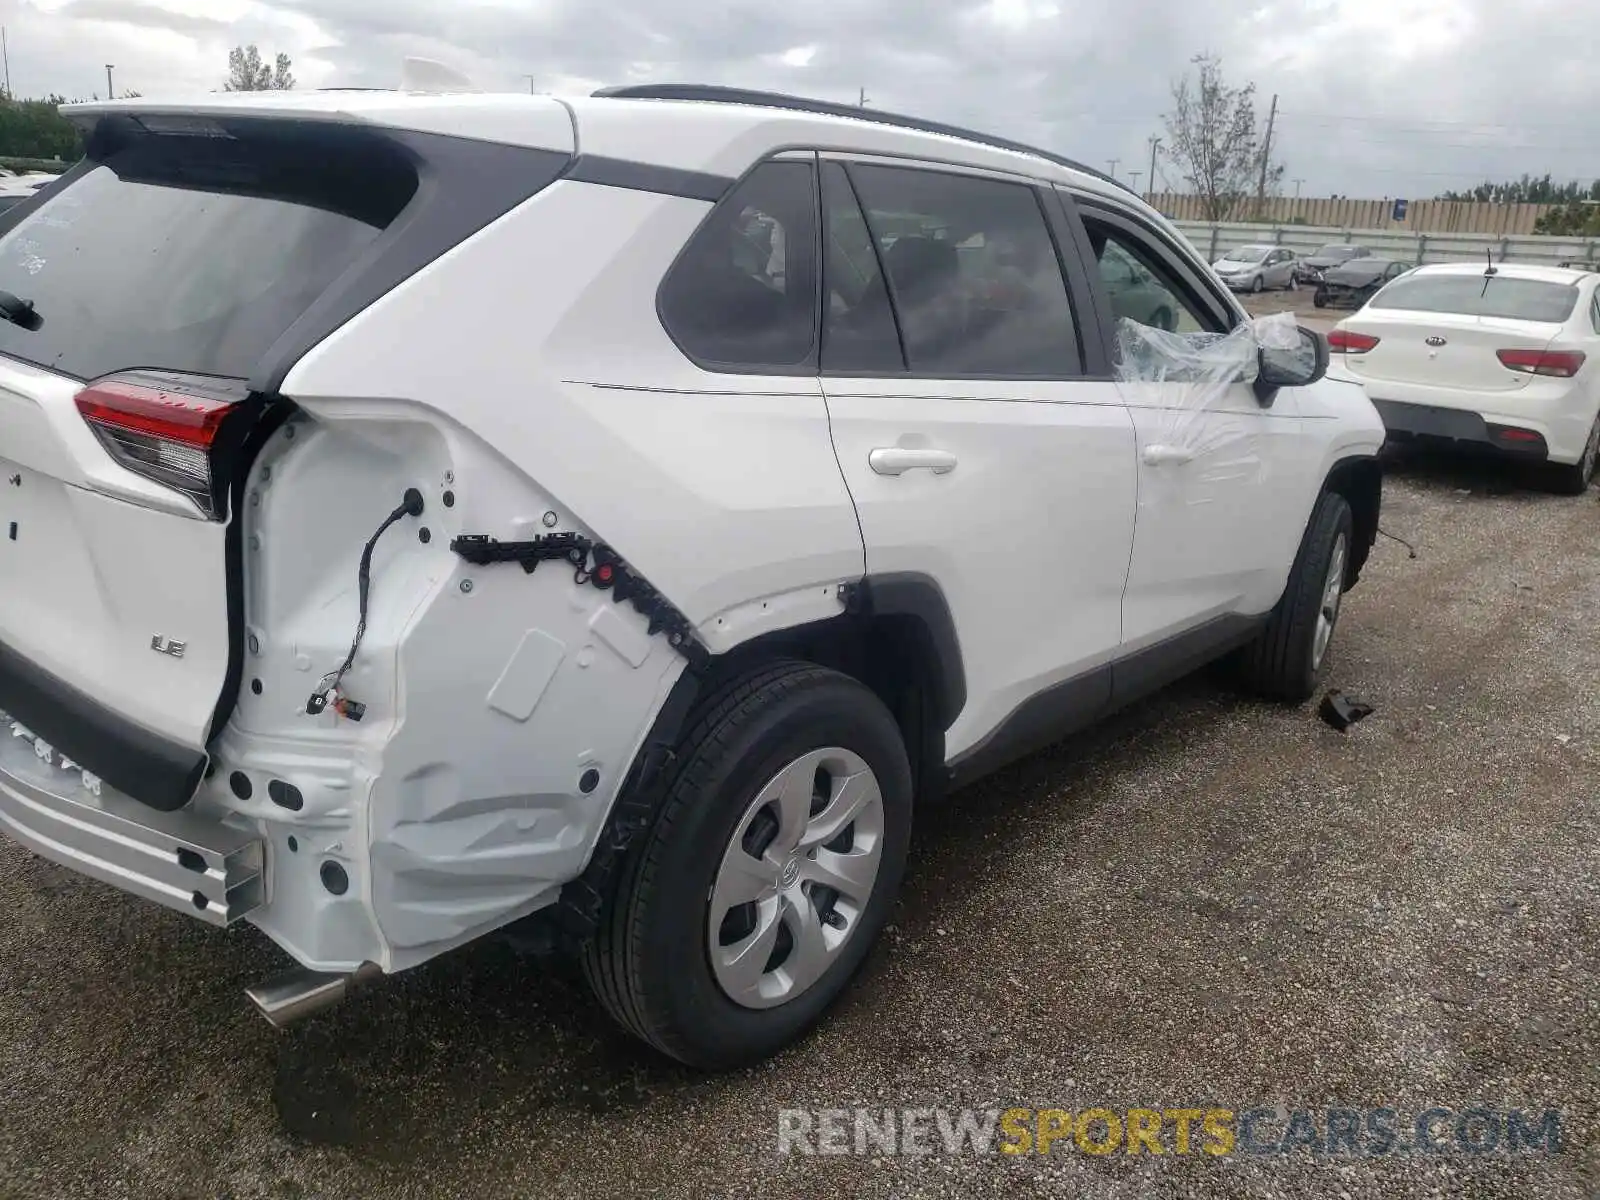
{"type": "Point", "coordinates": [1506, 358]}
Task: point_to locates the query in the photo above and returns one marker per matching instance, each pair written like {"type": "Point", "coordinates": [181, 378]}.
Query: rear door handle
{"type": "Point", "coordinates": [897, 460]}
{"type": "Point", "coordinates": [1158, 455]}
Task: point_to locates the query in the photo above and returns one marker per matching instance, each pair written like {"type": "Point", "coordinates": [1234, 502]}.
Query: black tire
{"type": "Point", "coordinates": [1320, 298]}
{"type": "Point", "coordinates": [650, 963]}
{"type": "Point", "coordinates": [1258, 284]}
{"type": "Point", "coordinates": [1573, 479]}
{"type": "Point", "coordinates": [1282, 663]}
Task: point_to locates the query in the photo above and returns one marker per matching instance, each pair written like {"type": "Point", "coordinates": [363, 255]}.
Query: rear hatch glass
{"type": "Point", "coordinates": [1473, 295]}
{"type": "Point", "coordinates": [195, 253]}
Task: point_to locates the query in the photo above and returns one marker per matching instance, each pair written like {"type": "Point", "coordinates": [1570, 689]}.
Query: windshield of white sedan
{"type": "Point", "coordinates": [1467, 295]}
{"type": "Point", "coordinates": [1249, 254]}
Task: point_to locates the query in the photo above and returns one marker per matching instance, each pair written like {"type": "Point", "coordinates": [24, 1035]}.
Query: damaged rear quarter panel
{"type": "Point", "coordinates": [503, 708]}
{"type": "Point", "coordinates": [535, 352]}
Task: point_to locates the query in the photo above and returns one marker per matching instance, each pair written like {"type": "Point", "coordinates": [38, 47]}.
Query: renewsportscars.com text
{"type": "Point", "coordinates": [1191, 1130]}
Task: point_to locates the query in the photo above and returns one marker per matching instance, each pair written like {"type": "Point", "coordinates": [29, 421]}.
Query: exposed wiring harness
{"type": "Point", "coordinates": [328, 688]}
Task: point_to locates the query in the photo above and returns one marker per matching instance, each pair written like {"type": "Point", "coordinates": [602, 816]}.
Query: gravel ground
{"type": "Point", "coordinates": [1207, 902]}
{"type": "Point", "coordinates": [1295, 300]}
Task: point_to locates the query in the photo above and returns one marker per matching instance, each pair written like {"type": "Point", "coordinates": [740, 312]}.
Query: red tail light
{"type": "Point", "coordinates": [1346, 341]}
{"type": "Point", "coordinates": [1563, 364]}
{"type": "Point", "coordinates": [168, 430]}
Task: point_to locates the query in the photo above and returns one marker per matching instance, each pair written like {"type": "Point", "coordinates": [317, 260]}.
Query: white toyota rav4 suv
{"type": "Point", "coordinates": [614, 515]}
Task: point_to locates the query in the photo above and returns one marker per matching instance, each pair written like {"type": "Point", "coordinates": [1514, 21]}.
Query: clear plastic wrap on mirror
{"type": "Point", "coordinates": [1208, 362]}
{"type": "Point", "coordinates": [1285, 345]}
{"type": "Point", "coordinates": [1217, 437]}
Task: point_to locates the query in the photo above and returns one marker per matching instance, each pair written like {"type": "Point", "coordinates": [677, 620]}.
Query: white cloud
{"type": "Point", "coordinates": [1376, 97]}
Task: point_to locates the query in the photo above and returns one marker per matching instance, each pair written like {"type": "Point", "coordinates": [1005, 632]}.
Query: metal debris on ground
{"type": "Point", "coordinates": [1342, 711]}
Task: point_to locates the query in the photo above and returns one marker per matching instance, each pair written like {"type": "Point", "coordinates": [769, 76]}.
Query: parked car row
{"type": "Point", "coordinates": [1263, 266]}
{"type": "Point", "coordinates": [1344, 275]}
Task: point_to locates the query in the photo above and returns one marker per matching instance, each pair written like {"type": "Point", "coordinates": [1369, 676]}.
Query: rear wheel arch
{"type": "Point", "coordinates": [896, 635]}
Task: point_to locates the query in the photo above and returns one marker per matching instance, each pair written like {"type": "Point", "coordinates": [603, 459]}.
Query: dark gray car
{"type": "Point", "coordinates": [1352, 284]}
{"type": "Point", "coordinates": [1310, 269]}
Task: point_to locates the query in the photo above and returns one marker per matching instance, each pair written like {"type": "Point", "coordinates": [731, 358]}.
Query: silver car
{"type": "Point", "coordinates": [1256, 268]}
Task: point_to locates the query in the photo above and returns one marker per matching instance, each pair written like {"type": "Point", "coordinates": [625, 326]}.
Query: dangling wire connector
{"type": "Point", "coordinates": [410, 506]}
{"type": "Point", "coordinates": [1401, 540]}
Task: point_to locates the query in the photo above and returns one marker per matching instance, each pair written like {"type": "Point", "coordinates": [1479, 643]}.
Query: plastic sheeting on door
{"type": "Point", "coordinates": [1194, 424]}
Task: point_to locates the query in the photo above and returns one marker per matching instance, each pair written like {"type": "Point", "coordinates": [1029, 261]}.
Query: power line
{"type": "Point", "coordinates": [1429, 121]}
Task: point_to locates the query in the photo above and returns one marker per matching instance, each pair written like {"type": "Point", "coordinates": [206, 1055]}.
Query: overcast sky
{"type": "Point", "coordinates": [1376, 97]}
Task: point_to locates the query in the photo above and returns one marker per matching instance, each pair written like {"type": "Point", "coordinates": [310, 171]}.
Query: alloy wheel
{"type": "Point", "coordinates": [1328, 610]}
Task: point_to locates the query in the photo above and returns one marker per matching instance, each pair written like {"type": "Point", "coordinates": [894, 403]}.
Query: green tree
{"type": "Point", "coordinates": [1213, 138]}
{"type": "Point", "coordinates": [247, 73]}
{"type": "Point", "coordinates": [1527, 190]}
{"type": "Point", "coordinates": [1576, 218]}
{"type": "Point", "coordinates": [36, 129]}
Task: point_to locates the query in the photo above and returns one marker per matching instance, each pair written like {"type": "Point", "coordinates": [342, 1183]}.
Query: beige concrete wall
{"type": "Point", "coordinates": [1422, 216]}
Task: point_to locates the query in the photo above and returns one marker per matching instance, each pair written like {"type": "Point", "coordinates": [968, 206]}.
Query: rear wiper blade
{"type": "Point", "coordinates": [17, 310]}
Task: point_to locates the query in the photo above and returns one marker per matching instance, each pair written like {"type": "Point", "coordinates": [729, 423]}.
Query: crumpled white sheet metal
{"type": "Point", "coordinates": [1181, 382]}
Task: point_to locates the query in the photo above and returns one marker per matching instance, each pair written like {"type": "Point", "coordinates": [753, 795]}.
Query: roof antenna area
{"type": "Point", "coordinates": [430, 75]}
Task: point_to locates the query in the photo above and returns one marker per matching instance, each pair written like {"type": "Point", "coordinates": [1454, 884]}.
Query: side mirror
{"type": "Point", "coordinates": [1295, 366]}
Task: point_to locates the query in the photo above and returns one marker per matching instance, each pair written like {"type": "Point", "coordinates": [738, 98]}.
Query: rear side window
{"type": "Point", "coordinates": [972, 271]}
{"type": "Point", "coordinates": [1474, 296]}
{"type": "Point", "coordinates": [195, 253]}
{"type": "Point", "coordinates": [743, 294]}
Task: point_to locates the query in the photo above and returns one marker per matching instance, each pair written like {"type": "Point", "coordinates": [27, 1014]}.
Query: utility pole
{"type": "Point", "coordinates": [1297, 184]}
{"type": "Point", "coordinates": [5, 51]}
{"type": "Point", "coordinates": [111, 92]}
{"type": "Point", "coordinates": [530, 79]}
{"type": "Point", "coordinates": [1155, 144]}
{"type": "Point", "coordinates": [1133, 177]}
{"type": "Point", "coordinates": [1113, 162]}
{"type": "Point", "coordinates": [1266, 157]}
{"type": "Point", "coordinates": [862, 101]}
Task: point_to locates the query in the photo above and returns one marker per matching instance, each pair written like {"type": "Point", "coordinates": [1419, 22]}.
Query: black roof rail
{"type": "Point", "coordinates": [827, 108]}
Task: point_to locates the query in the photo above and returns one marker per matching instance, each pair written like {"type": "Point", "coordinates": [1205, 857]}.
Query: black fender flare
{"type": "Point", "coordinates": [919, 597]}
{"type": "Point", "coordinates": [585, 901]}
{"type": "Point", "coordinates": [1359, 479]}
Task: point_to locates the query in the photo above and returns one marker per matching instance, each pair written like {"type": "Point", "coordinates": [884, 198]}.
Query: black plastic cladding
{"type": "Point", "coordinates": [462, 186]}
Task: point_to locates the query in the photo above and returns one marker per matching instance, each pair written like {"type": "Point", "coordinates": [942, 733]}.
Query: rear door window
{"type": "Point", "coordinates": [859, 334]}
{"type": "Point", "coordinates": [1475, 296]}
{"type": "Point", "coordinates": [972, 272]}
{"type": "Point", "coordinates": [194, 253]}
